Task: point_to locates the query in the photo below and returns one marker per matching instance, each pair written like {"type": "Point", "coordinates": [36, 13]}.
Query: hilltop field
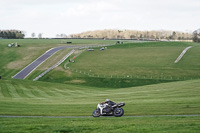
{"type": "Point", "coordinates": [141, 74]}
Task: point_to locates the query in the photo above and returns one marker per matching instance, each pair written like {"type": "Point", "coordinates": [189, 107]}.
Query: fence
{"type": "Point", "coordinates": [129, 76]}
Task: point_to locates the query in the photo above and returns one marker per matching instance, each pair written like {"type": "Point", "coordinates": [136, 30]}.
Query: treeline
{"type": "Point", "coordinates": [134, 34]}
{"type": "Point", "coordinates": [196, 36]}
{"type": "Point", "coordinates": [11, 34]}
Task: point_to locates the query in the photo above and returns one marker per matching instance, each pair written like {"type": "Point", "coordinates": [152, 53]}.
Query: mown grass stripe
{"type": "Point", "coordinates": [63, 93]}
{"type": "Point", "coordinates": [1, 92]}
{"type": "Point", "coordinates": [56, 92]}
{"type": "Point", "coordinates": [39, 92]}
{"type": "Point", "coordinates": [26, 91]}
{"type": "Point", "coordinates": [5, 91]}
{"type": "Point", "coordinates": [20, 91]}
{"type": "Point", "coordinates": [13, 90]}
{"type": "Point", "coordinates": [35, 92]}
{"type": "Point", "coordinates": [47, 91]}
{"type": "Point", "coordinates": [76, 91]}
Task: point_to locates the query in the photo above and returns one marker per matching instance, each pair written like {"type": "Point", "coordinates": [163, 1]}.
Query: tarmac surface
{"type": "Point", "coordinates": [31, 67]}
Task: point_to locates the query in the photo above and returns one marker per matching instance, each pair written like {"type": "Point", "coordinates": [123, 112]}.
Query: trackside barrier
{"type": "Point", "coordinates": [93, 46]}
{"type": "Point", "coordinates": [57, 64]}
{"type": "Point", "coordinates": [161, 77]}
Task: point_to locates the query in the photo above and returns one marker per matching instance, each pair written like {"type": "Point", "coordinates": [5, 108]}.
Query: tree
{"type": "Point", "coordinates": [174, 35]}
{"type": "Point", "coordinates": [40, 35]}
{"type": "Point", "coordinates": [196, 35]}
{"type": "Point", "coordinates": [19, 35]}
{"type": "Point", "coordinates": [131, 34]}
{"type": "Point", "coordinates": [33, 35]}
{"type": "Point", "coordinates": [12, 34]}
{"type": "Point", "coordinates": [141, 36]}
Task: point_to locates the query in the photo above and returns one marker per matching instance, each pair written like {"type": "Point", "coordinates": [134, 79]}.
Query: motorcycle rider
{"type": "Point", "coordinates": [106, 105]}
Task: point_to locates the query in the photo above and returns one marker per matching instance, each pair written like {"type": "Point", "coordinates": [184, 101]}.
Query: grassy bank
{"type": "Point", "coordinates": [13, 59]}
{"type": "Point", "coordinates": [143, 75]}
{"type": "Point", "coordinates": [108, 125]}
{"type": "Point", "coordinates": [38, 98]}
{"type": "Point", "coordinates": [141, 59]}
{"type": "Point", "coordinates": [130, 65]}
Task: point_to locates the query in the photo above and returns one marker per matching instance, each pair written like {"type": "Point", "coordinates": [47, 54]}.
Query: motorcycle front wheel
{"type": "Point", "coordinates": [96, 113]}
{"type": "Point", "coordinates": [118, 112]}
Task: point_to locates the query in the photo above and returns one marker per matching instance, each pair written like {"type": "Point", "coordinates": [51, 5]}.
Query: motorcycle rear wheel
{"type": "Point", "coordinates": [118, 112]}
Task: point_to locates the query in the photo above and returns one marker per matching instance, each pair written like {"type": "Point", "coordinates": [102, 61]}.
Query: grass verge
{"type": "Point", "coordinates": [94, 125]}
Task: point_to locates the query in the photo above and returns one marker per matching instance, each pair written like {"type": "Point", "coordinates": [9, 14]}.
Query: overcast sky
{"type": "Point", "coordinates": [52, 17]}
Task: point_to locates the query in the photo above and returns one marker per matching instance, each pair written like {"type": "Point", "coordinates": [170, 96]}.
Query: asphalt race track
{"type": "Point", "coordinates": [31, 67]}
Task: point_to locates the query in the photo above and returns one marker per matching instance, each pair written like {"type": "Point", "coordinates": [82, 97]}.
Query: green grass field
{"type": "Point", "coordinates": [102, 125]}
{"type": "Point", "coordinates": [40, 98]}
{"type": "Point", "coordinates": [130, 65]}
{"type": "Point", "coordinates": [147, 59]}
{"type": "Point", "coordinates": [14, 59]}
{"type": "Point", "coordinates": [53, 99]}
{"type": "Point", "coordinates": [143, 75]}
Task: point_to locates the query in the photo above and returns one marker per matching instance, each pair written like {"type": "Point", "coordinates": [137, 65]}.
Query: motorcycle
{"type": "Point", "coordinates": [106, 110]}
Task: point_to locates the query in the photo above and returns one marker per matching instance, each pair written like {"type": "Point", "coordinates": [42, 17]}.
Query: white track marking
{"type": "Point", "coordinates": [182, 54]}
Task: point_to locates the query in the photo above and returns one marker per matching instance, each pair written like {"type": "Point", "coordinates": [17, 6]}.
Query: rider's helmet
{"type": "Point", "coordinates": [107, 100]}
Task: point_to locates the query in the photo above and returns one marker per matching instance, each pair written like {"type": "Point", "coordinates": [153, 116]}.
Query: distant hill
{"type": "Point", "coordinates": [134, 34]}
